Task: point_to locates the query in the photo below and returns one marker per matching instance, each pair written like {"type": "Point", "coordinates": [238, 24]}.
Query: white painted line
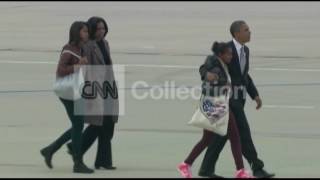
{"type": "Point", "coordinates": [27, 62]}
{"type": "Point", "coordinates": [287, 107]}
{"type": "Point", "coordinates": [166, 66]}
{"type": "Point", "coordinates": [196, 67]}
{"type": "Point", "coordinates": [287, 69]}
{"type": "Point", "coordinates": [160, 66]}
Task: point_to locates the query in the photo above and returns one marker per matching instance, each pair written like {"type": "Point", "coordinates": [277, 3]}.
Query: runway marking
{"type": "Point", "coordinates": [287, 107]}
{"type": "Point", "coordinates": [160, 66]}
{"type": "Point", "coordinates": [287, 69]}
{"type": "Point", "coordinates": [268, 106]}
{"type": "Point", "coordinates": [196, 67]}
{"type": "Point", "coordinates": [18, 165]}
{"type": "Point", "coordinates": [289, 135]}
{"type": "Point", "coordinates": [168, 66]}
{"type": "Point", "coordinates": [256, 58]}
{"type": "Point", "coordinates": [28, 62]}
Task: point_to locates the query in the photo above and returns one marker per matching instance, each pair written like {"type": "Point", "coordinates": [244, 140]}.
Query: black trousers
{"type": "Point", "coordinates": [104, 134]}
{"type": "Point", "coordinates": [218, 142]}
{"type": "Point", "coordinates": [74, 133]}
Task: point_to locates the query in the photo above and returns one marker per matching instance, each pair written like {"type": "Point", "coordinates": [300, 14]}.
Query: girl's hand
{"type": "Point", "coordinates": [212, 76]}
{"type": "Point", "coordinates": [83, 61]}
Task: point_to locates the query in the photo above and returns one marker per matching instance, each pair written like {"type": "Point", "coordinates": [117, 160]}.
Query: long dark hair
{"type": "Point", "coordinates": [74, 33]}
{"type": "Point", "coordinates": [92, 23]}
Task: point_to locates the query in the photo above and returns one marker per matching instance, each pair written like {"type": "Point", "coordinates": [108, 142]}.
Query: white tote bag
{"type": "Point", "coordinates": [212, 114]}
{"type": "Point", "coordinates": [70, 86]}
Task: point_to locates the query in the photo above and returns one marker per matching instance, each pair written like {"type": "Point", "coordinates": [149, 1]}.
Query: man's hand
{"type": "Point", "coordinates": [212, 76]}
{"type": "Point", "coordinates": [258, 101]}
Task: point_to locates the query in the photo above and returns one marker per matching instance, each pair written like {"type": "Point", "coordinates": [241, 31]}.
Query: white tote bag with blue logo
{"type": "Point", "coordinates": [212, 114]}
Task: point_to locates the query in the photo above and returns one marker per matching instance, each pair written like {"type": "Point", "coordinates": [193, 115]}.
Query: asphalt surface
{"type": "Point", "coordinates": [159, 42]}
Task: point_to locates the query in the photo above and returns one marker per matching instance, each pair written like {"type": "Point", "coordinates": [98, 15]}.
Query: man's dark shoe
{"type": "Point", "coordinates": [212, 175]}
{"type": "Point", "coordinates": [47, 154]}
{"type": "Point", "coordinates": [261, 173]}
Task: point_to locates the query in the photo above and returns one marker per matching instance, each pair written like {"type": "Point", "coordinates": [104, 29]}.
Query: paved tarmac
{"type": "Point", "coordinates": [159, 42]}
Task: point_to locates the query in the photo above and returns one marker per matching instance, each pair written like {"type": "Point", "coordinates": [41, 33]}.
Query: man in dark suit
{"type": "Point", "coordinates": [241, 84]}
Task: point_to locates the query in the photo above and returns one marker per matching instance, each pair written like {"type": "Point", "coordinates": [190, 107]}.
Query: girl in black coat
{"type": "Point", "coordinates": [216, 79]}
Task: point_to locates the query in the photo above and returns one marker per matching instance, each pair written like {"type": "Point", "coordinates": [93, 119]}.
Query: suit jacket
{"type": "Point", "coordinates": [95, 57]}
{"type": "Point", "coordinates": [239, 79]}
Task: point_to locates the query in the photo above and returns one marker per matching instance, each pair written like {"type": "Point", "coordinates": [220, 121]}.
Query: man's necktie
{"type": "Point", "coordinates": [242, 59]}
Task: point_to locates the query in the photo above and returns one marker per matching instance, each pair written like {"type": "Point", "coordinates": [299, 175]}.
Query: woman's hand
{"type": "Point", "coordinates": [82, 61]}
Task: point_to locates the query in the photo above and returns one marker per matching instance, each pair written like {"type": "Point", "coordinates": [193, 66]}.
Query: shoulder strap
{"type": "Point", "coordinates": [70, 52]}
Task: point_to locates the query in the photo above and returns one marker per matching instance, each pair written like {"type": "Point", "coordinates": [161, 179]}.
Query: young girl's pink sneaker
{"type": "Point", "coordinates": [243, 174]}
{"type": "Point", "coordinates": [185, 170]}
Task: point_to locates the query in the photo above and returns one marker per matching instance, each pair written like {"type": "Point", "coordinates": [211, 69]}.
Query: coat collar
{"type": "Point", "coordinates": [237, 45]}
{"type": "Point", "coordinates": [98, 52]}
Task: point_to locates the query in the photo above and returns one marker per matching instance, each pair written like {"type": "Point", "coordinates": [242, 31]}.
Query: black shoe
{"type": "Point", "coordinates": [69, 146]}
{"type": "Point", "coordinates": [47, 154]}
{"type": "Point", "coordinates": [212, 175]}
{"type": "Point", "coordinates": [82, 168]}
{"type": "Point", "coordinates": [261, 173]}
{"type": "Point", "coordinates": [106, 167]}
